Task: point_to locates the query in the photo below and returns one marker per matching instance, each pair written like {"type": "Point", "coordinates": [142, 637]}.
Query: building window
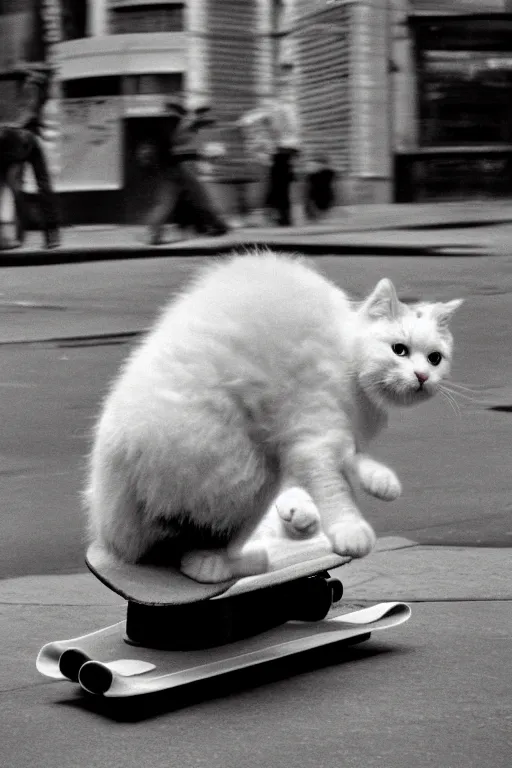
{"type": "Point", "coordinates": [90, 87]}
{"type": "Point", "coordinates": [167, 83]}
{"type": "Point", "coordinates": [465, 81]}
{"type": "Point", "coordinates": [148, 18]}
{"type": "Point", "coordinates": [74, 19]}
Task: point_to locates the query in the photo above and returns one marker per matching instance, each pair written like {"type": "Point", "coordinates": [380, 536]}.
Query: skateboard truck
{"type": "Point", "coordinates": [215, 622]}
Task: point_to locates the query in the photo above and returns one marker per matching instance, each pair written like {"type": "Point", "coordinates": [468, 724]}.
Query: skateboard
{"type": "Point", "coordinates": [178, 631]}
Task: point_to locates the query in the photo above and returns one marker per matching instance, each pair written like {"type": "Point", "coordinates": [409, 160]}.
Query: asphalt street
{"type": "Point", "coordinates": [65, 330]}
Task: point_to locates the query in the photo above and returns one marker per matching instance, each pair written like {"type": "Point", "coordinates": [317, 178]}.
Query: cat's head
{"type": "Point", "coordinates": [403, 351]}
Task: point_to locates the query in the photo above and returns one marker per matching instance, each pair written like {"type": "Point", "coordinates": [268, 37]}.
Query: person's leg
{"type": "Point", "coordinates": [180, 215]}
{"type": "Point", "coordinates": [206, 212]}
{"type": "Point", "coordinates": [271, 192]}
{"type": "Point", "coordinates": [283, 183]}
{"type": "Point", "coordinates": [185, 216]}
{"type": "Point", "coordinates": [242, 199]}
{"type": "Point", "coordinates": [311, 204]}
{"type": "Point", "coordinates": [167, 195]}
{"type": "Point", "coordinates": [14, 180]}
{"type": "Point", "coordinates": [47, 196]}
{"type": "Point", "coordinates": [3, 187]}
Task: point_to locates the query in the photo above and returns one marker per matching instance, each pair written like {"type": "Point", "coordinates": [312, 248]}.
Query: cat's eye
{"type": "Point", "coordinates": [435, 358]}
{"type": "Point", "coordinates": [400, 349]}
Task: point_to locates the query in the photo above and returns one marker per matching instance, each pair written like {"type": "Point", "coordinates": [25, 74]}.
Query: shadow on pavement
{"type": "Point", "coordinates": [150, 706]}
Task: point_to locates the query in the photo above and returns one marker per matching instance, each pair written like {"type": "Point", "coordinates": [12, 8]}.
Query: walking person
{"type": "Point", "coordinates": [19, 146]}
{"type": "Point", "coordinates": [36, 92]}
{"type": "Point", "coordinates": [181, 195]}
{"type": "Point", "coordinates": [284, 132]}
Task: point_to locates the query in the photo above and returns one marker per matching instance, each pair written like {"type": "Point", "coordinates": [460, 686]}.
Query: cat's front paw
{"type": "Point", "coordinates": [379, 481]}
{"type": "Point", "coordinates": [352, 536]}
{"type": "Point", "coordinates": [213, 566]}
{"type": "Point", "coordinates": [206, 566]}
{"type": "Point", "coordinates": [298, 513]}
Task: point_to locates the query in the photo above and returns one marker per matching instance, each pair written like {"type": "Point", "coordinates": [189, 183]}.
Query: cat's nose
{"type": "Point", "coordinates": [422, 377]}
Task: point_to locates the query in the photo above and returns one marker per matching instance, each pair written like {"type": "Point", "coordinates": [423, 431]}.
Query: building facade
{"type": "Point", "coordinates": [119, 60]}
{"type": "Point", "coordinates": [409, 99]}
{"type": "Point", "coordinates": [341, 50]}
{"type": "Point", "coordinates": [452, 99]}
{"type": "Point", "coordinates": [115, 75]}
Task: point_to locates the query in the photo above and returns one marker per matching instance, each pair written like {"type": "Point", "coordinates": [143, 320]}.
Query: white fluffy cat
{"type": "Point", "coordinates": [261, 382]}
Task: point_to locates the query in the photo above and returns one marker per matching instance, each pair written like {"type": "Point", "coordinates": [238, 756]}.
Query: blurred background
{"type": "Point", "coordinates": [410, 100]}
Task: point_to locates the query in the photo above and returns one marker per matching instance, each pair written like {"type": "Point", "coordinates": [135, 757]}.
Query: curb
{"type": "Point", "coordinates": [36, 257]}
{"type": "Point", "coordinates": [475, 224]}
{"type": "Point", "coordinates": [87, 340]}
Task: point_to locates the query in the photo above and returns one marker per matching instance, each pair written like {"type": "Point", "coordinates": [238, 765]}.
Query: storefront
{"type": "Point", "coordinates": [113, 91]}
{"type": "Point", "coordinates": [109, 155]}
{"type": "Point", "coordinates": [463, 82]}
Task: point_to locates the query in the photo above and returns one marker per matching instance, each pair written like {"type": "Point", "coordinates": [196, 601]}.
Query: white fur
{"type": "Point", "coordinates": [261, 378]}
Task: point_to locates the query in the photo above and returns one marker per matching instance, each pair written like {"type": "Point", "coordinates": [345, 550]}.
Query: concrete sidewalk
{"type": "Point", "coordinates": [433, 692]}
{"type": "Point", "coordinates": [412, 229]}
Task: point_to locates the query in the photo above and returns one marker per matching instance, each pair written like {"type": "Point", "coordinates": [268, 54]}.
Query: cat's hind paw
{"type": "Point", "coordinates": [352, 536]}
{"type": "Point", "coordinates": [299, 515]}
{"type": "Point", "coordinates": [213, 566]}
{"type": "Point", "coordinates": [379, 481]}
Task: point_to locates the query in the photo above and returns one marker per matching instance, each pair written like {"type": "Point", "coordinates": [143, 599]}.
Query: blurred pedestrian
{"type": "Point", "coordinates": [182, 196]}
{"type": "Point", "coordinates": [19, 146]}
{"type": "Point", "coordinates": [284, 133]}
{"type": "Point", "coordinates": [35, 93]}
{"type": "Point", "coordinates": [258, 149]}
{"type": "Point", "coordinates": [319, 194]}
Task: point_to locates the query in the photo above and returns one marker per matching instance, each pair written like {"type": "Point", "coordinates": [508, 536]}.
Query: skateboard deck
{"type": "Point", "coordinates": [103, 664]}
{"type": "Point", "coordinates": [163, 585]}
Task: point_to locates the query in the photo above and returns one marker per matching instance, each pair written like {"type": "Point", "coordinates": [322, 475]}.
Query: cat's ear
{"type": "Point", "coordinates": [382, 302]}
{"type": "Point", "coordinates": [444, 311]}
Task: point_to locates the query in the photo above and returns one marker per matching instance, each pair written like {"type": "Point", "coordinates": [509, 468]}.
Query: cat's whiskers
{"type": "Point", "coordinates": [446, 386]}
{"type": "Point", "coordinates": [450, 400]}
{"type": "Point", "coordinates": [456, 385]}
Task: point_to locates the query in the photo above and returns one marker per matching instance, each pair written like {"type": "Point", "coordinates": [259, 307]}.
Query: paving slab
{"type": "Point", "coordinates": [425, 573]}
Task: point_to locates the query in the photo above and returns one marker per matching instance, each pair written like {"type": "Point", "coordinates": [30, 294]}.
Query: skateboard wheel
{"type": "Point", "coordinates": [336, 589]}
{"type": "Point", "coordinates": [313, 599]}
{"type": "Point", "coordinates": [71, 661]}
{"type": "Point", "coordinates": [95, 677]}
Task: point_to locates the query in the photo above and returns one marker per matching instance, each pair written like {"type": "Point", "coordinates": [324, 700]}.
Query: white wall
{"type": "Point", "coordinates": [97, 12]}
